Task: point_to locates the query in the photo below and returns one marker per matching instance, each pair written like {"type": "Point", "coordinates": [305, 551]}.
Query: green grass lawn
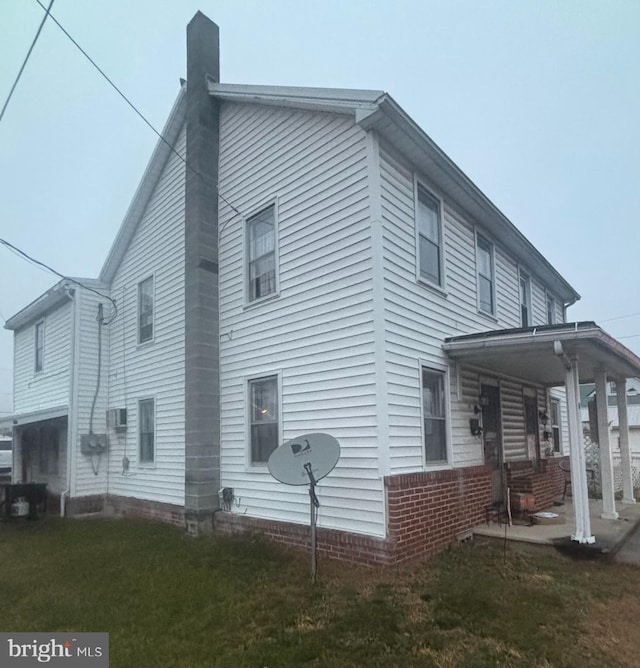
{"type": "Point", "coordinates": [170, 600]}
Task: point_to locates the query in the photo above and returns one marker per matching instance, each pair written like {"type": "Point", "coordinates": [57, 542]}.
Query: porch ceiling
{"type": "Point", "coordinates": [35, 416]}
{"type": "Point", "coordinates": [530, 353]}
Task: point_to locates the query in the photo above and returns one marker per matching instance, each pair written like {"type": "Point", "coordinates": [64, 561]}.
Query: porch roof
{"type": "Point", "coordinates": [34, 416]}
{"type": "Point", "coordinates": [540, 354]}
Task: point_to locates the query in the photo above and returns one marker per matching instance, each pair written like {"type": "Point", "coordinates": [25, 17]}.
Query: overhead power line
{"type": "Point", "coordinates": [38, 263]}
{"type": "Point", "coordinates": [621, 317]}
{"type": "Point", "coordinates": [35, 39]}
{"type": "Point", "coordinates": [137, 111]}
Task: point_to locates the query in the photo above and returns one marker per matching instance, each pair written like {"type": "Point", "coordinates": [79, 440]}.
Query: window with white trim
{"type": "Point", "coordinates": [525, 299]}
{"type": "Point", "coordinates": [145, 310]}
{"type": "Point", "coordinates": [263, 418]}
{"type": "Point", "coordinates": [556, 425]}
{"type": "Point", "coordinates": [434, 416]}
{"type": "Point", "coordinates": [429, 226]}
{"type": "Point", "coordinates": [484, 261]}
{"type": "Point", "coordinates": [39, 346]}
{"type": "Point", "coordinates": [147, 430]}
{"type": "Point", "coordinates": [551, 310]}
{"type": "Point", "coordinates": [261, 254]}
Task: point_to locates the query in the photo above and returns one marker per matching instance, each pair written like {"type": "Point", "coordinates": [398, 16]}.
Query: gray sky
{"type": "Point", "coordinates": [538, 102]}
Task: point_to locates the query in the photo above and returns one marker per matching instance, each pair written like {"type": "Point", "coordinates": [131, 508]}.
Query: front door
{"type": "Point", "coordinates": [491, 436]}
{"type": "Point", "coordinates": [531, 423]}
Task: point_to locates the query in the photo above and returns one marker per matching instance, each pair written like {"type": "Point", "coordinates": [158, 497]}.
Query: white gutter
{"type": "Point", "coordinates": [72, 419]}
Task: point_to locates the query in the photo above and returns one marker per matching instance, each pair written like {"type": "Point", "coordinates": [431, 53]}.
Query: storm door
{"type": "Point", "coordinates": [492, 439]}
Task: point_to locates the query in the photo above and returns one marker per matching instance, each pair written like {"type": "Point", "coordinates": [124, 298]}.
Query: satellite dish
{"type": "Point", "coordinates": [290, 462]}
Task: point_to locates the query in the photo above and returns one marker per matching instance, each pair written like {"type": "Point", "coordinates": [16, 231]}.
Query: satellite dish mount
{"type": "Point", "coordinates": [302, 461]}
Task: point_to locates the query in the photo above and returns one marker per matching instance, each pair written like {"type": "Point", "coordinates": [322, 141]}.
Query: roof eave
{"type": "Point", "coordinates": [430, 158]}
{"type": "Point", "coordinates": [46, 302]}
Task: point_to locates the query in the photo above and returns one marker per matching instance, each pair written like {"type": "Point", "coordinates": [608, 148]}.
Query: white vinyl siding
{"type": "Point", "coordinates": [141, 371]}
{"type": "Point", "coordinates": [417, 320]}
{"type": "Point", "coordinates": [319, 332]}
{"type": "Point", "coordinates": [90, 472]}
{"type": "Point", "coordinates": [37, 390]}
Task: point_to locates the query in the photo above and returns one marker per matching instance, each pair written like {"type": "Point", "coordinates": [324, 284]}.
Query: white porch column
{"type": "Point", "coordinates": [625, 453]}
{"type": "Point", "coordinates": [16, 470]}
{"type": "Point", "coordinates": [606, 465]}
{"type": "Point", "coordinates": [579, 489]}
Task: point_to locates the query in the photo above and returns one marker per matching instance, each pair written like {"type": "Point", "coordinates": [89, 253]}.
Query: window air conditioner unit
{"type": "Point", "coordinates": [117, 419]}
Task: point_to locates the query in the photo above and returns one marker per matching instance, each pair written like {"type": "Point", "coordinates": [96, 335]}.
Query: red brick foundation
{"type": "Point", "coordinates": [126, 507]}
{"type": "Point", "coordinates": [329, 542]}
{"type": "Point", "coordinates": [545, 483]}
{"type": "Point", "coordinates": [426, 511]}
{"type": "Point", "coordinates": [149, 510]}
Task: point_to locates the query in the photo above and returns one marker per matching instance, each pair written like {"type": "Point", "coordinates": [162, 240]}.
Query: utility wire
{"type": "Point", "coordinates": [138, 112]}
{"type": "Point", "coordinates": [621, 317]}
{"type": "Point", "coordinates": [35, 39]}
{"type": "Point", "coordinates": [28, 257]}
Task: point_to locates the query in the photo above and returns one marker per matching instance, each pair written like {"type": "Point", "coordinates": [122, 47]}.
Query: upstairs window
{"type": "Point", "coordinates": [551, 310]}
{"type": "Point", "coordinates": [434, 416]}
{"type": "Point", "coordinates": [429, 237]}
{"type": "Point", "coordinates": [263, 403]}
{"type": "Point", "coordinates": [484, 260]}
{"type": "Point", "coordinates": [261, 255]}
{"type": "Point", "coordinates": [525, 300]}
{"type": "Point", "coordinates": [146, 430]}
{"type": "Point", "coordinates": [39, 346]}
{"type": "Point", "coordinates": [145, 310]}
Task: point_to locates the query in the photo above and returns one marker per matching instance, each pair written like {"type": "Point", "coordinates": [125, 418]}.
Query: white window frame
{"type": "Point", "coordinates": [419, 184]}
{"type": "Point", "coordinates": [525, 275]}
{"type": "Point", "coordinates": [152, 338]}
{"type": "Point", "coordinates": [267, 204]}
{"type": "Point", "coordinates": [147, 463]}
{"type": "Point", "coordinates": [550, 300]}
{"type": "Point", "coordinates": [492, 256]}
{"type": "Point", "coordinates": [39, 326]}
{"type": "Point", "coordinates": [268, 373]}
{"type": "Point", "coordinates": [558, 403]}
{"type": "Point", "coordinates": [445, 372]}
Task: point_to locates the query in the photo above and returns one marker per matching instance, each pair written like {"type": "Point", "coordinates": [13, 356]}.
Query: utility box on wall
{"type": "Point", "coordinates": [93, 444]}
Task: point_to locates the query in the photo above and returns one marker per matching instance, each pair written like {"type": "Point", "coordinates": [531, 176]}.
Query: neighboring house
{"type": "Point", "coordinates": [633, 412]}
{"type": "Point", "coordinates": [6, 455]}
{"type": "Point", "coordinates": [320, 265]}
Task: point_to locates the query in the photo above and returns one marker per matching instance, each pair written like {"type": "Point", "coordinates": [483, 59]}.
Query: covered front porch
{"type": "Point", "coordinates": [563, 355]}
{"type": "Point", "coordinates": [611, 535]}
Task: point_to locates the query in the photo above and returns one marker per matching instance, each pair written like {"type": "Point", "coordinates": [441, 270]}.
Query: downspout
{"type": "Point", "coordinates": [71, 417]}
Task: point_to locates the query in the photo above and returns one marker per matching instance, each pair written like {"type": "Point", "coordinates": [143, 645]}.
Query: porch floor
{"type": "Point", "coordinates": [609, 534]}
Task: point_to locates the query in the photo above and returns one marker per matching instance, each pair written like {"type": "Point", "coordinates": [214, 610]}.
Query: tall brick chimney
{"type": "Point", "coordinates": [202, 371]}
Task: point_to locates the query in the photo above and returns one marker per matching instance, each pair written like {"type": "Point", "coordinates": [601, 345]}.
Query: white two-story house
{"type": "Point", "coordinates": [301, 260]}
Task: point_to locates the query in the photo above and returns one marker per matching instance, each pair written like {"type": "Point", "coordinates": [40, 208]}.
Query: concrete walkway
{"type": "Point", "coordinates": [629, 552]}
{"type": "Point", "coordinates": [612, 536]}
